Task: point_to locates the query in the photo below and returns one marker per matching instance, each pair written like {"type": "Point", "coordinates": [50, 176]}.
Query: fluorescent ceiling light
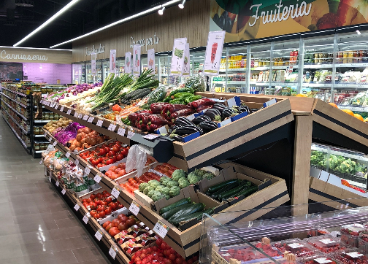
{"type": "Point", "coordinates": [63, 10]}
{"type": "Point", "coordinates": [153, 9]}
{"type": "Point", "coordinates": [181, 5]}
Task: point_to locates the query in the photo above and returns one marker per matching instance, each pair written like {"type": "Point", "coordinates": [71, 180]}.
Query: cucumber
{"type": "Point", "coordinates": [197, 215]}
{"type": "Point", "coordinates": [208, 211]}
{"type": "Point", "coordinates": [219, 186]}
{"type": "Point", "coordinates": [224, 189]}
{"type": "Point", "coordinates": [168, 214]}
{"type": "Point", "coordinates": [233, 191]}
{"type": "Point", "coordinates": [176, 204]}
{"type": "Point", "coordinates": [187, 211]}
{"type": "Point", "coordinates": [248, 191]}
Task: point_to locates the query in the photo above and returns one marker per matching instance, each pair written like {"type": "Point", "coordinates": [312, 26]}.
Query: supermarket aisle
{"type": "Point", "coordinates": [36, 226]}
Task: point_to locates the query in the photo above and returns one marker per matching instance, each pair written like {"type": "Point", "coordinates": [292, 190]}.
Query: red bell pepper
{"type": "Point", "coordinates": [200, 102]}
{"type": "Point", "coordinates": [157, 120]}
{"type": "Point", "coordinates": [183, 112]}
{"type": "Point", "coordinates": [133, 117]}
{"type": "Point", "coordinates": [152, 127]}
{"type": "Point", "coordinates": [170, 109]}
{"type": "Point", "coordinates": [157, 108]}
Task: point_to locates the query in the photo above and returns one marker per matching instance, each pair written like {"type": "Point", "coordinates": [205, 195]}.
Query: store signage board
{"type": "Point", "coordinates": [145, 42]}
{"type": "Point", "coordinates": [151, 60]}
{"type": "Point", "coordinates": [99, 50]}
{"type": "Point", "coordinates": [128, 62]}
{"type": "Point", "coordinates": [215, 44]}
{"type": "Point", "coordinates": [93, 64]}
{"type": "Point", "coordinates": [112, 61]}
{"type": "Point", "coordinates": [137, 60]}
{"type": "Point", "coordinates": [186, 69]}
{"type": "Point", "coordinates": [177, 58]}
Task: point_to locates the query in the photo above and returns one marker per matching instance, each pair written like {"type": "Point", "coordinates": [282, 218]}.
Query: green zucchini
{"type": "Point", "coordinates": [234, 191]}
{"type": "Point", "coordinates": [248, 191]}
{"type": "Point", "coordinates": [174, 205]}
{"type": "Point", "coordinates": [187, 211]}
{"type": "Point", "coordinates": [221, 185]}
{"type": "Point", "coordinates": [208, 211]}
{"type": "Point", "coordinates": [168, 214]}
{"type": "Point", "coordinates": [224, 189]}
{"type": "Point", "coordinates": [182, 90]}
{"type": "Point", "coordinates": [197, 215]}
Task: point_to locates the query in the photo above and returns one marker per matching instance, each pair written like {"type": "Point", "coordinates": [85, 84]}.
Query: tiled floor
{"type": "Point", "coordinates": [36, 226]}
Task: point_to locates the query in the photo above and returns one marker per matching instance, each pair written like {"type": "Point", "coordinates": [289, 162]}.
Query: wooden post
{"type": "Point", "coordinates": [301, 170]}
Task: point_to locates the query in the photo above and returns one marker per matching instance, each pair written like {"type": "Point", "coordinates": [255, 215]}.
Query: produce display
{"type": "Point", "coordinates": [351, 256]}
{"type": "Point", "coordinates": [231, 189]}
{"type": "Point", "coordinates": [53, 126]}
{"type": "Point", "coordinates": [101, 204]}
{"type": "Point", "coordinates": [74, 93]}
{"type": "Point", "coordinates": [326, 244]}
{"type": "Point", "coordinates": [117, 171]}
{"type": "Point", "coordinates": [296, 246]}
{"type": "Point", "coordinates": [105, 154]}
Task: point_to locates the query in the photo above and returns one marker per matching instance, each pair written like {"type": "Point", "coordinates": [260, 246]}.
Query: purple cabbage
{"type": "Point", "coordinates": [68, 133]}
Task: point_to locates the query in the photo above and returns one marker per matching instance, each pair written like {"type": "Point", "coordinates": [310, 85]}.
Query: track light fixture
{"type": "Point", "coordinates": [181, 6]}
{"type": "Point", "coordinates": [161, 11]}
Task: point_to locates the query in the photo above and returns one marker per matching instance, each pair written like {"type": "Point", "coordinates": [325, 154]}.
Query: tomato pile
{"type": "Point", "coordinates": [166, 169]}
{"type": "Point", "coordinates": [122, 222]}
{"type": "Point", "coordinates": [132, 184]}
{"type": "Point", "coordinates": [101, 204]}
{"type": "Point", "coordinates": [115, 172]}
{"type": "Point", "coordinates": [160, 254]}
{"type": "Point", "coordinates": [106, 154]}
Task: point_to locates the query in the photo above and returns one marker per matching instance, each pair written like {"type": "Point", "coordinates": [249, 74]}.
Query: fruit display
{"type": "Point", "coordinates": [120, 223]}
{"type": "Point", "coordinates": [74, 93]}
{"type": "Point", "coordinates": [105, 154]}
{"type": "Point", "coordinates": [84, 139]}
{"type": "Point", "coordinates": [326, 244]}
{"type": "Point", "coordinates": [133, 184]}
{"type": "Point", "coordinates": [231, 189]}
{"type": "Point", "coordinates": [296, 246]}
{"type": "Point", "coordinates": [52, 126]}
{"type": "Point", "coordinates": [101, 204]}
{"type": "Point", "coordinates": [350, 256]}
{"type": "Point", "coordinates": [319, 259]}
{"type": "Point", "coordinates": [117, 171]}
{"type": "Point", "coordinates": [350, 234]}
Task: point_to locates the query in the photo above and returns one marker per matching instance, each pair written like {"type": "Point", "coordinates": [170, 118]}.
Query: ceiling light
{"type": "Point", "coordinates": [358, 32]}
{"type": "Point", "coordinates": [181, 6]}
{"type": "Point", "coordinates": [63, 10]}
{"type": "Point", "coordinates": [117, 23]}
{"type": "Point", "coordinates": [161, 11]}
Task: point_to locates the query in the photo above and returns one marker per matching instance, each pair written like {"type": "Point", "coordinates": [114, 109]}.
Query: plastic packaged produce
{"type": "Point", "coordinates": [296, 246]}
{"type": "Point", "coordinates": [326, 244]}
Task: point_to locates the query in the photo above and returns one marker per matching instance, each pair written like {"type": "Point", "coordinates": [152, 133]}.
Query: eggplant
{"type": "Point", "coordinates": [186, 130]}
{"type": "Point", "coordinates": [219, 107]}
{"type": "Point", "coordinates": [208, 126]}
{"type": "Point", "coordinates": [244, 108]}
{"type": "Point", "coordinates": [183, 121]}
{"type": "Point", "coordinates": [214, 114]}
{"type": "Point", "coordinates": [228, 112]}
{"type": "Point", "coordinates": [201, 118]}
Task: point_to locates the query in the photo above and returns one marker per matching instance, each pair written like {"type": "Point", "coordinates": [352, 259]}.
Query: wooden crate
{"type": "Point", "coordinates": [199, 150]}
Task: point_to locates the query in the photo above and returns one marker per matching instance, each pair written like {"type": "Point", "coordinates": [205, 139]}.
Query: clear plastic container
{"type": "Point", "coordinates": [350, 234]}
{"type": "Point", "coordinates": [296, 246]}
{"type": "Point", "coordinates": [326, 244]}
{"type": "Point", "coordinates": [319, 258]}
{"type": "Point", "coordinates": [350, 256]}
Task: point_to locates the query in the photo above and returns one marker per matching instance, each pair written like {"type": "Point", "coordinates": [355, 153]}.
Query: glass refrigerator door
{"type": "Point", "coordinates": [163, 68]}
{"type": "Point", "coordinates": [83, 73]}
{"type": "Point", "coordinates": [89, 72]}
{"type": "Point", "coordinates": [105, 69]}
{"type": "Point", "coordinates": [352, 73]}
{"type": "Point", "coordinates": [120, 63]}
{"type": "Point", "coordinates": [318, 68]}
{"type": "Point", "coordinates": [99, 71]}
{"type": "Point", "coordinates": [236, 65]}
{"type": "Point", "coordinates": [77, 72]}
{"type": "Point", "coordinates": [284, 68]}
{"type": "Point", "coordinates": [260, 61]}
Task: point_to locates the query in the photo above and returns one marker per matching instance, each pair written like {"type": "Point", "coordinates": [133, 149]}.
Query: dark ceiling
{"type": "Point", "coordinates": [17, 20]}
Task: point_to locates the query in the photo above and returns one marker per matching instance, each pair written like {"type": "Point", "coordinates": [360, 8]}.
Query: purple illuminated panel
{"type": "Point", "coordinates": [48, 73]}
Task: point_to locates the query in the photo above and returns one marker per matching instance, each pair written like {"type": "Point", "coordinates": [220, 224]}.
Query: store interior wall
{"type": "Point", "coordinates": [48, 73]}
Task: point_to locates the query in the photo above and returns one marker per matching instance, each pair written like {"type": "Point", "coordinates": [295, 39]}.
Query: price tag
{"type": "Point", "coordinates": [112, 252]}
{"type": "Point", "coordinates": [80, 116]}
{"type": "Point", "coordinates": [90, 120]}
{"type": "Point", "coordinates": [56, 106]}
{"type": "Point", "coordinates": [76, 162]}
{"type": "Point", "coordinates": [87, 170]}
{"type": "Point", "coordinates": [295, 245]}
{"type": "Point", "coordinates": [69, 111]}
{"type": "Point", "coordinates": [57, 183]}
{"type": "Point", "coordinates": [130, 134]}
{"type": "Point", "coordinates": [161, 229]}
{"type": "Point", "coordinates": [322, 260]}
{"type": "Point", "coordinates": [97, 178]}
{"type": "Point", "coordinates": [327, 241]}
{"type": "Point", "coordinates": [85, 117]}
{"type": "Point", "coordinates": [67, 154]}
{"type": "Point", "coordinates": [98, 235]}
{"type": "Point", "coordinates": [62, 109]}
{"type": "Point", "coordinates": [76, 114]}
{"type": "Point", "coordinates": [55, 143]}
{"type": "Point", "coordinates": [112, 127]}
{"type": "Point", "coordinates": [86, 218]}
{"type": "Point", "coordinates": [268, 103]}
{"type": "Point", "coordinates": [354, 254]}
{"type": "Point", "coordinates": [121, 131]}
{"type": "Point", "coordinates": [134, 208]}
{"type": "Point", "coordinates": [115, 192]}
{"type": "Point", "coordinates": [63, 192]}
{"type": "Point", "coordinates": [76, 207]}
{"type": "Point", "coordinates": [99, 123]}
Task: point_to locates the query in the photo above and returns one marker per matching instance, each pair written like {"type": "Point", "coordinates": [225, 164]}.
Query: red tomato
{"type": "Point", "coordinates": [93, 213]}
{"type": "Point", "coordinates": [114, 231]}
{"type": "Point", "coordinates": [108, 200]}
{"type": "Point", "coordinates": [100, 208]}
{"type": "Point", "coordinates": [115, 148]}
{"type": "Point", "coordinates": [108, 227]}
{"type": "Point", "coordinates": [92, 197]}
{"type": "Point", "coordinates": [101, 214]}
{"type": "Point", "coordinates": [106, 224]}
{"type": "Point", "coordinates": [179, 261]}
{"type": "Point", "coordinates": [93, 205]}
{"type": "Point", "coordinates": [124, 152]}
{"type": "Point", "coordinates": [108, 211]}
{"type": "Point", "coordinates": [119, 157]}
{"type": "Point", "coordinates": [113, 206]}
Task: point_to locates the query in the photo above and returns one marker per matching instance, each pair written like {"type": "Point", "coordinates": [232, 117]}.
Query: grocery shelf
{"type": "Point", "coordinates": [20, 140]}
{"type": "Point", "coordinates": [24, 106]}
{"type": "Point", "coordinates": [39, 136]}
{"type": "Point", "coordinates": [22, 116]}
{"type": "Point", "coordinates": [24, 131]}
{"type": "Point", "coordinates": [344, 153]}
{"type": "Point", "coordinates": [38, 151]}
{"type": "Point", "coordinates": [318, 66]}
{"type": "Point", "coordinates": [351, 85]}
{"type": "Point", "coordinates": [230, 82]}
{"type": "Point", "coordinates": [235, 70]}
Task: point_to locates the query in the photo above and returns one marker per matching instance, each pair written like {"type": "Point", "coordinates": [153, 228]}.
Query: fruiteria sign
{"type": "Point", "coordinates": [5, 56]}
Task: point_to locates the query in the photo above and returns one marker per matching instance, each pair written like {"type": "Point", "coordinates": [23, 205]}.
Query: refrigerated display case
{"type": "Point", "coordinates": [79, 72]}
{"type": "Point", "coordinates": [120, 64]}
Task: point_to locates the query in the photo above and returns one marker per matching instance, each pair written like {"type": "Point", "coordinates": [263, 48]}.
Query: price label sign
{"type": "Point", "coordinates": [62, 109]}
{"type": "Point", "coordinates": [86, 218]}
{"type": "Point", "coordinates": [67, 154]}
{"type": "Point", "coordinates": [69, 111]}
{"type": "Point", "coordinates": [76, 114]}
{"type": "Point", "coordinates": [55, 143]}
{"type": "Point", "coordinates": [80, 116]}
{"type": "Point", "coordinates": [121, 131]}
{"type": "Point", "coordinates": [161, 229]}
{"type": "Point", "coordinates": [115, 192]}
{"type": "Point", "coordinates": [57, 183]}
{"type": "Point", "coordinates": [85, 117]}
{"type": "Point", "coordinates": [112, 127]}
{"type": "Point", "coordinates": [99, 235]}
{"type": "Point", "coordinates": [76, 162]}
{"type": "Point", "coordinates": [56, 106]}
{"type": "Point", "coordinates": [97, 178]}
{"type": "Point", "coordinates": [112, 252]}
{"type": "Point", "coordinates": [134, 208]}
{"type": "Point", "coordinates": [90, 120]}
{"type": "Point", "coordinates": [63, 192]}
{"type": "Point", "coordinates": [76, 207]}
{"type": "Point", "coordinates": [87, 170]}
{"type": "Point", "coordinates": [99, 123]}
{"type": "Point", "coordinates": [130, 134]}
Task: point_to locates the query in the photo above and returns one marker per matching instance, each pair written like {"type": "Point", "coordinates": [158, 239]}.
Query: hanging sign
{"type": "Point", "coordinates": [137, 60]}
{"type": "Point", "coordinates": [93, 64]}
{"type": "Point", "coordinates": [112, 61]}
{"type": "Point", "coordinates": [186, 69]}
{"type": "Point", "coordinates": [177, 59]}
{"type": "Point", "coordinates": [215, 44]}
{"type": "Point", "coordinates": [128, 64]}
{"type": "Point", "coordinates": [151, 60]}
